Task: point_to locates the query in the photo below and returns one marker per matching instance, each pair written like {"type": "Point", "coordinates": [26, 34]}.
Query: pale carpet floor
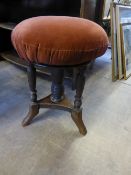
{"type": "Point", "coordinates": [52, 145]}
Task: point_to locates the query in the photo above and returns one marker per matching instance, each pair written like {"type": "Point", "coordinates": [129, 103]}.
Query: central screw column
{"type": "Point", "coordinates": [57, 88]}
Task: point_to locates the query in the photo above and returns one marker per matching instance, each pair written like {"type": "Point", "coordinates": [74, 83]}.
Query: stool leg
{"type": "Point", "coordinates": [77, 111]}
{"type": "Point", "coordinates": [92, 64]}
{"type": "Point", "coordinates": [34, 108]}
{"type": "Point", "coordinates": [74, 77]}
{"type": "Point", "coordinates": [57, 88]}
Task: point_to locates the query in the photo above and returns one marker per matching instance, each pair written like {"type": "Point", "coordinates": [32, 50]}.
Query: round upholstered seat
{"type": "Point", "coordinates": [59, 40]}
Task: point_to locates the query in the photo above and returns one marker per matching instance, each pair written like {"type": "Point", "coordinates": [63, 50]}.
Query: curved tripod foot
{"type": "Point", "coordinates": [77, 118]}
{"type": "Point", "coordinates": [33, 111]}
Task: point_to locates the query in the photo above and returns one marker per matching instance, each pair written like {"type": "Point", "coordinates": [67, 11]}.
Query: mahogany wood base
{"type": "Point", "coordinates": [65, 105]}
{"type": "Point", "coordinates": [57, 100]}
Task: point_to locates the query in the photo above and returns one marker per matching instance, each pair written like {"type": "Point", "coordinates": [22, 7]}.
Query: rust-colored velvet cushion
{"type": "Point", "coordinates": [59, 40]}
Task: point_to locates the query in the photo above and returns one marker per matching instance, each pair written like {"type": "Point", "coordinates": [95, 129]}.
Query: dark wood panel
{"type": "Point", "coordinates": [7, 25]}
{"type": "Point", "coordinates": [12, 57]}
{"type": "Point", "coordinates": [92, 10]}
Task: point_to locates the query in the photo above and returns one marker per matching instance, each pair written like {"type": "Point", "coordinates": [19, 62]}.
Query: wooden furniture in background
{"type": "Point", "coordinates": [90, 9]}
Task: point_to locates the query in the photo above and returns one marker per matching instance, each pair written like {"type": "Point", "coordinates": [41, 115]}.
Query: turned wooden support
{"type": "Point", "coordinates": [77, 111]}
{"type": "Point", "coordinates": [80, 83]}
{"type": "Point", "coordinates": [57, 100]}
{"type": "Point", "coordinates": [31, 71]}
{"type": "Point", "coordinates": [57, 88]}
{"type": "Point", "coordinates": [34, 107]}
